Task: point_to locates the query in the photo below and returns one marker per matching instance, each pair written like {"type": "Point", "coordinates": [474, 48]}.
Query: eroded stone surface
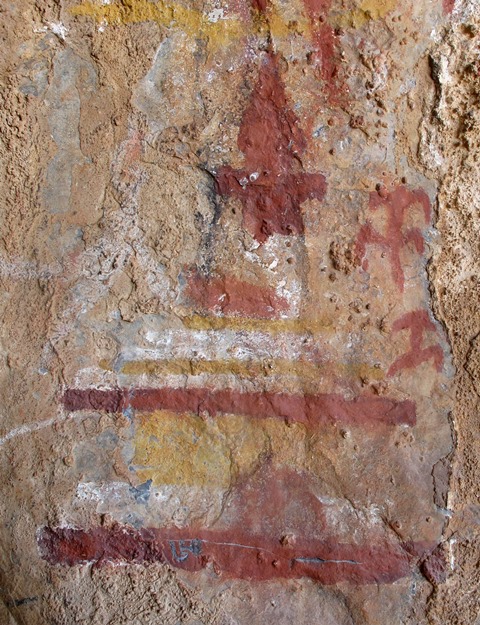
{"type": "Point", "coordinates": [226, 390]}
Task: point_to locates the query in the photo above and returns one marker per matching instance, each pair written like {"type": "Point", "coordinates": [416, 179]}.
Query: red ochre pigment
{"type": "Point", "coordinates": [448, 6]}
{"type": "Point", "coordinates": [232, 296]}
{"type": "Point", "coordinates": [308, 409]}
{"type": "Point", "coordinates": [396, 205]}
{"type": "Point", "coordinates": [325, 53]}
{"type": "Point", "coordinates": [324, 46]}
{"type": "Point", "coordinates": [272, 185]}
{"type": "Point", "coordinates": [417, 322]}
{"type": "Point", "coordinates": [233, 554]}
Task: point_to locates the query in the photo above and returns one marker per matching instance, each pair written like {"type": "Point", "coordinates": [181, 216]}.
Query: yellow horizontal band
{"type": "Point", "coordinates": [194, 23]}
{"type": "Point", "coordinates": [269, 326]}
{"type": "Point", "coordinates": [247, 368]}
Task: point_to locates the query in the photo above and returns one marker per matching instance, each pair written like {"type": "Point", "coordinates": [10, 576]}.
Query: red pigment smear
{"type": "Point", "coordinates": [131, 156]}
{"type": "Point", "coordinates": [271, 498]}
{"type": "Point", "coordinates": [396, 205]}
{"type": "Point", "coordinates": [308, 409]}
{"type": "Point", "coordinates": [260, 5]}
{"type": "Point", "coordinates": [228, 295]}
{"type": "Point", "coordinates": [448, 6]}
{"type": "Point", "coordinates": [233, 554]}
{"type": "Point", "coordinates": [272, 185]}
{"type": "Point", "coordinates": [325, 54]}
{"type": "Point", "coordinates": [417, 322]}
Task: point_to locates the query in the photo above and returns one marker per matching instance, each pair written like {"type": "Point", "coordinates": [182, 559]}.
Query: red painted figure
{"type": "Point", "coordinates": [325, 54]}
{"type": "Point", "coordinates": [417, 322]}
{"type": "Point", "coordinates": [396, 204]}
{"type": "Point", "coordinates": [272, 185]}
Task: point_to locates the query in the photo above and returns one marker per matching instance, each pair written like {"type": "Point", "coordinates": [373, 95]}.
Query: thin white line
{"type": "Point", "coordinates": [326, 561]}
{"type": "Point", "coordinates": [212, 542]}
{"type": "Point", "coordinates": [34, 427]}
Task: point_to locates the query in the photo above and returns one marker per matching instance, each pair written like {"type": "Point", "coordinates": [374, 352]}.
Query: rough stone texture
{"type": "Point", "coordinates": [241, 340]}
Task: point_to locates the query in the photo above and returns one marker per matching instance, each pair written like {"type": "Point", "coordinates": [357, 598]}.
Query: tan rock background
{"type": "Point", "coordinates": [134, 136]}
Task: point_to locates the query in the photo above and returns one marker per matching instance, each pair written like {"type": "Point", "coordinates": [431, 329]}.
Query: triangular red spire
{"type": "Point", "coordinates": [272, 185]}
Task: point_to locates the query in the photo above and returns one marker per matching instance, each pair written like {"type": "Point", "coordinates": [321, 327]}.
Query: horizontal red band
{"type": "Point", "coordinates": [231, 553]}
{"type": "Point", "coordinates": [322, 408]}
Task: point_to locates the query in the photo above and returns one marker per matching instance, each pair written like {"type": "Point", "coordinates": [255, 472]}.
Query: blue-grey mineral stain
{"type": "Point", "coordinates": [141, 493]}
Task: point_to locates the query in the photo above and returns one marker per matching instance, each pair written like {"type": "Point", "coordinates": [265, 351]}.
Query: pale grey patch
{"type": "Point", "coordinates": [72, 75]}
{"type": "Point", "coordinates": [150, 89]}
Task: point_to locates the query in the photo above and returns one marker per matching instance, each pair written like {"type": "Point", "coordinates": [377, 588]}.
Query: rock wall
{"type": "Point", "coordinates": [240, 350]}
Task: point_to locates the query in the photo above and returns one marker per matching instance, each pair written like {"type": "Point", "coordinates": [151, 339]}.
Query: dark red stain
{"type": "Point", "coordinates": [230, 296]}
{"type": "Point", "coordinates": [112, 400]}
{"type": "Point", "coordinates": [260, 5]}
{"type": "Point", "coordinates": [272, 185]}
{"type": "Point", "coordinates": [396, 205]}
{"type": "Point", "coordinates": [417, 322]}
{"type": "Point", "coordinates": [434, 566]}
{"type": "Point", "coordinates": [308, 409]}
{"type": "Point", "coordinates": [233, 554]}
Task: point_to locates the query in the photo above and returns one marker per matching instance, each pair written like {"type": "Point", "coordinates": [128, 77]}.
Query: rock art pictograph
{"type": "Point", "coordinates": [226, 393]}
{"type": "Point", "coordinates": [272, 184]}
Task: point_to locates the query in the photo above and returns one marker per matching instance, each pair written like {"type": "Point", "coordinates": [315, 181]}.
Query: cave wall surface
{"type": "Point", "coordinates": [240, 351]}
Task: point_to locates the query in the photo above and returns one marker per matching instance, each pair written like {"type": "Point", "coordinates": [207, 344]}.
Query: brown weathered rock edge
{"type": "Point", "coordinates": [451, 129]}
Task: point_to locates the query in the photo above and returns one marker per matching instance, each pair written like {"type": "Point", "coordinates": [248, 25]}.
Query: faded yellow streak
{"type": "Point", "coordinates": [186, 450]}
{"type": "Point", "coordinates": [219, 33]}
{"type": "Point", "coordinates": [251, 369]}
{"type": "Point", "coordinates": [181, 450]}
{"type": "Point", "coordinates": [193, 23]}
{"type": "Point", "coordinates": [368, 10]}
{"type": "Point", "coordinates": [268, 326]}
